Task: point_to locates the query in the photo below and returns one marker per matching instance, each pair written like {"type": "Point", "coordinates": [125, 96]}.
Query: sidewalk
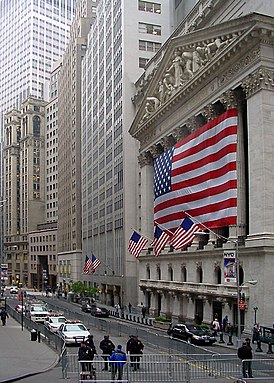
{"type": "Point", "coordinates": [19, 356]}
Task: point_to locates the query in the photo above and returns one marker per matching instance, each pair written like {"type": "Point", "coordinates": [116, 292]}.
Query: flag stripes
{"type": "Point", "coordinates": [198, 175]}
{"type": "Point", "coordinates": [136, 244]}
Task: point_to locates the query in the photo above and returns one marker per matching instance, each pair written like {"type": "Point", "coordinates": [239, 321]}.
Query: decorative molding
{"type": "Point", "coordinates": [185, 62]}
{"type": "Point", "coordinates": [167, 142]}
{"type": "Point", "coordinates": [145, 159]}
{"type": "Point", "coordinates": [209, 112]}
{"type": "Point", "coordinates": [240, 66]}
{"type": "Point", "coordinates": [262, 78]}
{"type": "Point", "coordinates": [155, 150]}
{"type": "Point", "coordinates": [229, 99]}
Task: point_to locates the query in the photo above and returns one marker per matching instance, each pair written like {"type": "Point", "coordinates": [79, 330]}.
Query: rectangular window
{"type": "Point", "coordinates": [149, 7]}
{"type": "Point", "coordinates": [149, 46]}
{"type": "Point", "coordinates": [150, 29]}
{"type": "Point", "coordinates": [142, 62]}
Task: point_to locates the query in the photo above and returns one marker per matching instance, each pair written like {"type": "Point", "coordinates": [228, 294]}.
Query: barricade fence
{"type": "Point", "coordinates": [175, 368]}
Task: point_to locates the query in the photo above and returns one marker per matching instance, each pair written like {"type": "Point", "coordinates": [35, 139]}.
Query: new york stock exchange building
{"type": "Point", "coordinates": [216, 81]}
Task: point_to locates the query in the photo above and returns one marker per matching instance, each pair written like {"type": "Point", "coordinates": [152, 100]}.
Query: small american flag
{"type": "Point", "coordinates": [95, 264]}
{"type": "Point", "coordinates": [185, 234]}
{"type": "Point", "coordinates": [160, 240]}
{"type": "Point", "coordinates": [88, 265]}
{"type": "Point", "coordinates": [136, 244]}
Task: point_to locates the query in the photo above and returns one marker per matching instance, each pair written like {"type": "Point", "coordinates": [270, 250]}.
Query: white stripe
{"type": "Point", "coordinates": [232, 193]}
{"type": "Point", "coordinates": [191, 159]}
{"type": "Point", "coordinates": [224, 213]}
{"type": "Point", "coordinates": [231, 121]}
{"type": "Point", "coordinates": [212, 166]}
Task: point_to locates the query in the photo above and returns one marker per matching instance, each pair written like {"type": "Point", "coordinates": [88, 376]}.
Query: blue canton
{"type": "Point", "coordinates": [162, 173]}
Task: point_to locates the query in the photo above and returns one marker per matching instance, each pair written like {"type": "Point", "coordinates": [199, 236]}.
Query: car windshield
{"type": "Point", "coordinates": [58, 320]}
{"type": "Point", "coordinates": [38, 308]}
{"type": "Point", "coordinates": [196, 329]}
{"type": "Point", "coordinates": [75, 327]}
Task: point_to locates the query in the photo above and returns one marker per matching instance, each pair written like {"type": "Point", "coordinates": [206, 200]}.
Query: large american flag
{"type": "Point", "coordinates": [136, 244]}
{"type": "Point", "coordinates": [198, 176]}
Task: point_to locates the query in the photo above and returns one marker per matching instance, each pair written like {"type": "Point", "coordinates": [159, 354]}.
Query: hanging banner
{"type": "Point", "coordinates": [230, 274]}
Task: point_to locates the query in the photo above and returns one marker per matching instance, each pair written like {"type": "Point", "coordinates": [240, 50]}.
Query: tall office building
{"type": "Point", "coordinates": [43, 241]}
{"type": "Point", "coordinates": [34, 34]}
{"type": "Point", "coordinates": [24, 181]}
{"type": "Point", "coordinates": [69, 147]}
{"type": "Point", "coordinates": [123, 39]}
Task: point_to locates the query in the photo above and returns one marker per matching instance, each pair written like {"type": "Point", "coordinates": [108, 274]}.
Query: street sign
{"type": "Point", "coordinates": [241, 305]}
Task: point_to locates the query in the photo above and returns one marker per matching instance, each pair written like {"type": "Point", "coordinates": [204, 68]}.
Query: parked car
{"type": "Point", "coordinates": [99, 311]}
{"type": "Point", "coordinates": [86, 307]}
{"type": "Point", "coordinates": [19, 308]}
{"type": "Point", "coordinates": [14, 290]}
{"type": "Point", "coordinates": [73, 332]}
{"type": "Point", "coordinates": [192, 333]}
{"type": "Point", "coordinates": [54, 321]}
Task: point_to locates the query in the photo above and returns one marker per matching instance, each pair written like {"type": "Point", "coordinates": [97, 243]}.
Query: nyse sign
{"type": "Point", "coordinates": [230, 266]}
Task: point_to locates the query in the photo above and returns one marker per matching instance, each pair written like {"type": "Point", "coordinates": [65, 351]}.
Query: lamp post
{"type": "Point", "coordinates": [238, 285]}
{"type": "Point", "coordinates": [255, 308]}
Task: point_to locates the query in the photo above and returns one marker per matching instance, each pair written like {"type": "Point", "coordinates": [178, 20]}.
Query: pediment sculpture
{"type": "Point", "coordinates": [185, 62]}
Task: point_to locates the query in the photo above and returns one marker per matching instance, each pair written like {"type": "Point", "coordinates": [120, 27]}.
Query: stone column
{"type": "Point", "coordinates": [232, 99]}
{"type": "Point", "coordinates": [260, 111]}
{"type": "Point", "coordinates": [146, 195]}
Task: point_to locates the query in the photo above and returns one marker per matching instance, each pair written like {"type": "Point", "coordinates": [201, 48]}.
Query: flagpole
{"type": "Point", "coordinates": [145, 236]}
{"type": "Point", "coordinates": [164, 228]}
{"type": "Point", "coordinates": [207, 228]}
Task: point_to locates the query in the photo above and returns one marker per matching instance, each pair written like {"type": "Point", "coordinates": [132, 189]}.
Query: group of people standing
{"type": "Point", "coordinates": [115, 358]}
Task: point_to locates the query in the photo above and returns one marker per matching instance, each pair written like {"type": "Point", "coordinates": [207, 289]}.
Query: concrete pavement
{"type": "Point", "coordinates": [19, 356]}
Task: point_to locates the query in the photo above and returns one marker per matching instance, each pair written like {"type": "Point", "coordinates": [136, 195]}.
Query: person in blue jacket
{"type": "Point", "coordinates": [117, 361]}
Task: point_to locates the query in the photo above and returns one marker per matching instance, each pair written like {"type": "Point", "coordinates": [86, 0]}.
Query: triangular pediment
{"type": "Point", "coordinates": [187, 59]}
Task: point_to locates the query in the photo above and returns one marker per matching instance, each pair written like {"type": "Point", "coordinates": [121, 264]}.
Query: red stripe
{"type": "Point", "coordinates": [210, 125]}
{"type": "Point", "coordinates": [213, 157]}
{"type": "Point", "coordinates": [211, 175]}
{"type": "Point", "coordinates": [232, 202]}
{"type": "Point", "coordinates": [207, 143]}
{"type": "Point", "coordinates": [196, 196]}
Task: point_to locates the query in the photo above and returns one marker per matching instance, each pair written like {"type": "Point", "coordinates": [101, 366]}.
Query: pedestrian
{"type": "Point", "coordinates": [245, 354]}
{"type": "Point", "coordinates": [117, 308]}
{"type": "Point", "coordinates": [4, 315]}
{"type": "Point", "coordinates": [90, 343]}
{"type": "Point", "coordinates": [135, 348]}
{"type": "Point", "coordinates": [107, 347]}
{"type": "Point", "coordinates": [215, 326]}
{"type": "Point", "coordinates": [117, 361]}
{"type": "Point", "coordinates": [224, 323]}
{"type": "Point", "coordinates": [129, 307]}
{"type": "Point", "coordinates": [86, 355]}
{"type": "Point", "coordinates": [144, 310]}
{"type": "Point", "coordinates": [256, 333]}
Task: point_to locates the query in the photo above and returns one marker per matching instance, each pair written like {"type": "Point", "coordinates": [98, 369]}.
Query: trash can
{"type": "Point", "coordinates": [33, 335]}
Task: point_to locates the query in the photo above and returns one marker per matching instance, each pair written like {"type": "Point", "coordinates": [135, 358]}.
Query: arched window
{"type": "Point", "coordinates": [170, 273]}
{"type": "Point", "coordinates": [36, 126]}
{"type": "Point", "coordinates": [199, 273]}
{"type": "Point", "coordinates": [184, 274]}
{"type": "Point", "coordinates": [148, 272]}
{"type": "Point", "coordinates": [158, 273]}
